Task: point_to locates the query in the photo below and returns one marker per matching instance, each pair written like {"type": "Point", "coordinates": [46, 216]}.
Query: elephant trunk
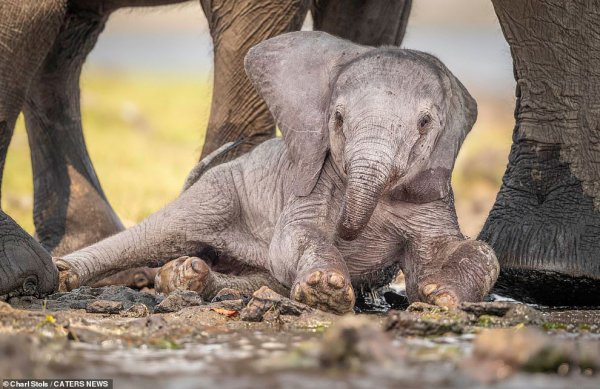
{"type": "Point", "coordinates": [367, 179]}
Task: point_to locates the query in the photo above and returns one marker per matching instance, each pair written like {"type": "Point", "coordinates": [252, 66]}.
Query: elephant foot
{"type": "Point", "coordinates": [545, 231]}
{"type": "Point", "coordinates": [468, 274]}
{"type": "Point", "coordinates": [68, 277]}
{"type": "Point", "coordinates": [188, 273]}
{"type": "Point", "coordinates": [324, 289]}
{"type": "Point", "coordinates": [25, 267]}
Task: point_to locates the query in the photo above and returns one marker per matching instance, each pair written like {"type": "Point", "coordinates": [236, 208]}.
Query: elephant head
{"type": "Point", "coordinates": [392, 120]}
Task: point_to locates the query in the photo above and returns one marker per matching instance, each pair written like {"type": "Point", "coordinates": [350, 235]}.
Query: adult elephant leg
{"type": "Point", "coordinates": [27, 31]}
{"type": "Point", "coordinates": [372, 23]}
{"type": "Point", "coordinates": [545, 224]}
{"type": "Point", "coordinates": [70, 208]}
{"type": "Point", "coordinates": [237, 111]}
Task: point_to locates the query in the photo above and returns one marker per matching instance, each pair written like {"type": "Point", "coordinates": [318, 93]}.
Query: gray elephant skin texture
{"type": "Point", "coordinates": [357, 188]}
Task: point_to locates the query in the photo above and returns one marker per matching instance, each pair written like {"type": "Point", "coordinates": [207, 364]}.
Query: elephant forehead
{"type": "Point", "coordinates": [392, 74]}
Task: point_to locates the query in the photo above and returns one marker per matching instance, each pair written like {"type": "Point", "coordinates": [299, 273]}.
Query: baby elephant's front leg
{"type": "Point", "coordinates": [302, 257]}
{"type": "Point", "coordinates": [458, 270]}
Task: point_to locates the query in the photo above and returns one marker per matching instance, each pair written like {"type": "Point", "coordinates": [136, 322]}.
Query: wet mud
{"type": "Point", "coordinates": [141, 339]}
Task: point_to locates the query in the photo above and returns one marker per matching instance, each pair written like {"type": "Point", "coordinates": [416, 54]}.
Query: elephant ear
{"type": "Point", "coordinates": [460, 118]}
{"type": "Point", "coordinates": [433, 182]}
{"type": "Point", "coordinates": [294, 73]}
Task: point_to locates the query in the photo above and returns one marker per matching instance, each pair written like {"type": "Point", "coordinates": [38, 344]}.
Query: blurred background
{"type": "Point", "coordinates": [146, 91]}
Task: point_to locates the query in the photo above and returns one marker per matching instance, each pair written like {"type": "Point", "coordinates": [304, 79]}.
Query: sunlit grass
{"type": "Point", "coordinates": [145, 132]}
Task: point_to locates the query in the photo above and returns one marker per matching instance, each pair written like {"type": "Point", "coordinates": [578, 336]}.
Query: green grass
{"type": "Point", "coordinates": [144, 133]}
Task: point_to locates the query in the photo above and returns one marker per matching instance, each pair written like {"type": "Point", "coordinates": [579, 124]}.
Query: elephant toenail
{"type": "Point", "coordinates": [140, 280]}
{"type": "Point", "coordinates": [199, 266]}
{"type": "Point", "coordinates": [72, 281]}
{"type": "Point", "coordinates": [314, 278]}
{"type": "Point", "coordinates": [429, 289]}
{"type": "Point", "coordinates": [336, 280]}
{"type": "Point", "coordinates": [297, 293]}
{"type": "Point", "coordinates": [349, 295]}
{"type": "Point", "coordinates": [61, 265]}
{"type": "Point", "coordinates": [445, 300]}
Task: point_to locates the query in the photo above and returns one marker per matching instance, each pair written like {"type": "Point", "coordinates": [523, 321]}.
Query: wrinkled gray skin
{"type": "Point", "coordinates": [359, 184]}
{"type": "Point", "coordinates": [43, 46]}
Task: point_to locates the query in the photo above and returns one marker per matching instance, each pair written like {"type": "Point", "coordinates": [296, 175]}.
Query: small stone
{"type": "Point", "coordinates": [234, 305]}
{"type": "Point", "coordinates": [354, 340]}
{"type": "Point", "coordinates": [227, 294]}
{"type": "Point", "coordinates": [266, 300]}
{"type": "Point", "coordinates": [508, 313]}
{"type": "Point", "coordinates": [498, 353]}
{"type": "Point", "coordinates": [422, 319]}
{"type": "Point", "coordinates": [104, 306]}
{"type": "Point", "coordinates": [136, 310]}
{"type": "Point", "coordinates": [85, 335]}
{"type": "Point", "coordinates": [178, 300]}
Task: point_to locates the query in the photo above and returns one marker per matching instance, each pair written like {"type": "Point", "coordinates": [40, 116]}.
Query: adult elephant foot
{"type": "Point", "coordinates": [25, 267]}
{"type": "Point", "coordinates": [545, 225]}
{"type": "Point", "coordinates": [545, 231]}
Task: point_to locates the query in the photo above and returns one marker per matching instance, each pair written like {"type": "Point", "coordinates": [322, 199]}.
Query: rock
{"type": "Point", "coordinates": [354, 340]}
{"type": "Point", "coordinates": [314, 321]}
{"type": "Point", "coordinates": [227, 294]}
{"type": "Point", "coordinates": [127, 296]}
{"type": "Point", "coordinates": [352, 343]}
{"type": "Point", "coordinates": [79, 298]}
{"type": "Point", "coordinates": [136, 310]}
{"type": "Point", "coordinates": [151, 323]}
{"type": "Point", "coordinates": [178, 300]}
{"type": "Point", "coordinates": [234, 305]}
{"type": "Point", "coordinates": [104, 306]}
{"type": "Point", "coordinates": [266, 300]}
{"type": "Point", "coordinates": [84, 334]}
{"type": "Point", "coordinates": [421, 319]}
{"type": "Point", "coordinates": [509, 313]}
{"type": "Point", "coordinates": [499, 353]}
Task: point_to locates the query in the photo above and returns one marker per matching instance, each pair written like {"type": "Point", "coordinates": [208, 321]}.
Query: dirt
{"type": "Point", "coordinates": [270, 341]}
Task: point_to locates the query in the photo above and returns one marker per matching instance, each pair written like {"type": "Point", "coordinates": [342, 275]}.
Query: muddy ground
{"type": "Point", "coordinates": [143, 340]}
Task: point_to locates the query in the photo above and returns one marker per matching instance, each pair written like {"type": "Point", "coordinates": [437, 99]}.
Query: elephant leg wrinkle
{"type": "Point", "coordinates": [27, 31]}
{"type": "Point", "coordinates": [545, 224]}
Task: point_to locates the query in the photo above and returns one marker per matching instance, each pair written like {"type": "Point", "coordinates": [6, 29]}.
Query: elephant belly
{"type": "Point", "coordinates": [372, 260]}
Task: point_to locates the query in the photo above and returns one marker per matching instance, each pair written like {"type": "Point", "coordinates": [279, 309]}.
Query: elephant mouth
{"type": "Point", "coordinates": [424, 187]}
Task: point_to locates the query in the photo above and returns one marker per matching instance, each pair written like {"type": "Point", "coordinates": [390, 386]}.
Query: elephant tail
{"type": "Point", "coordinates": [208, 162]}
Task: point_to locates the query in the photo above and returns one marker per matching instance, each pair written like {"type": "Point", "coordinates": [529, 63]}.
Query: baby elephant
{"type": "Point", "coordinates": [358, 187]}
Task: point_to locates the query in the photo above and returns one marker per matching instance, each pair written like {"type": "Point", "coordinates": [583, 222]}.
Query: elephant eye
{"type": "Point", "coordinates": [424, 124]}
{"type": "Point", "coordinates": [339, 120]}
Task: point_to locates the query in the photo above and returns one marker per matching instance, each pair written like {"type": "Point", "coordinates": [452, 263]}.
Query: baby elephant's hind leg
{"type": "Point", "coordinates": [192, 273]}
